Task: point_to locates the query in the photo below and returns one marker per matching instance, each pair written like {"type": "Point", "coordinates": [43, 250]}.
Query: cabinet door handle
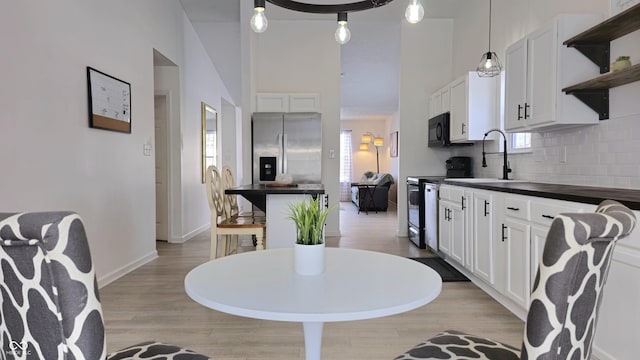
{"type": "Point", "coordinates": [463, 125]}
{"type": "Point", "coordinates": [526, 106]}
{"type": "Point", "coordinates": [486, 212]}
{"type": "Point", "coordinates": [504, 237]}
{"type": "Point", "coordinates": [513, 208]}
{"type": "Point", "coordinates": [463, 207]}
{"type": "Point", "coordinates": [519, 109]}
{"type": "Point", "coordinates": [547, 216]}
{"type": "Point", "coordinates": [449, 214]}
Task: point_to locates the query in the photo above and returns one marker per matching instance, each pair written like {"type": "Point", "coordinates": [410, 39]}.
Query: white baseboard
{"type": "Point", "coordinates": [189, 235]}
{"type": "Point", "coordinates": [124, 270]}
{"type": "Point", "coordinates": [599, 354]}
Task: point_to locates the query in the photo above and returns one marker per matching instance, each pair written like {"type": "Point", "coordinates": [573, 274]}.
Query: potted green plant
{"type": "Point", "coordinates": [622, 62]}
{"type": "Point", "coordinates": [309, 217]}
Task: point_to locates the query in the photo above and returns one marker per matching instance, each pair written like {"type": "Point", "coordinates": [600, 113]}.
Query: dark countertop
{"type": "Point", "coordinates": [577, 193]}
{"type": "Point", "coordinates": [257, 193]}
{"type": "Point", "coordinates": [312, 189]}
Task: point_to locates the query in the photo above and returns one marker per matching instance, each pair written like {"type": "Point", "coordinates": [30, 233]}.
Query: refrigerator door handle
{"type": "Point", "coordinates": [284, 153]}
{"type": "Point", "coordinates": [279, 143]}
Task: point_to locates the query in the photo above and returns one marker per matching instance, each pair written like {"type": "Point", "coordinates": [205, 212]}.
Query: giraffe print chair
{"type": "Point", "coordinates": [50, 302]}
{"type": "Point", "coordinates": [565, 298]}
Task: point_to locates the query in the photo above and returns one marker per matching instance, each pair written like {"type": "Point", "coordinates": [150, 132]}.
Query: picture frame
{"type": "Point", "coordinates": [393, 144]}
{"type": "Point", "coordinates": [109, 102]}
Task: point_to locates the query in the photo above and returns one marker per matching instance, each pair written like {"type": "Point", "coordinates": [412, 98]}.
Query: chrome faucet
{"type": "Point", "coordinates": [505, 164]}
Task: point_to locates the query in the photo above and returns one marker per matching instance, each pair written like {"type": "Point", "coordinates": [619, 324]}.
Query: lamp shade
{"type": "Point", "coordinates": [489, 66]}
{"type": "Point", "coordinates": [366, 138]}
{"type": "Point", "coordinates": [364, 146]}
{"type": "Point", "coordinates": [378, 141]}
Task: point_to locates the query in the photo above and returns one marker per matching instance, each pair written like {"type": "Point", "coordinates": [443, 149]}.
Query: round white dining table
{"type": "Point", "coordinates": [355, 285]}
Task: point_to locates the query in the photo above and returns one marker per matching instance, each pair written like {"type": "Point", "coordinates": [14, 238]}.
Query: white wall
{"type": "Point", "coordinates": [425, 66]}
{"type": "Point", "coordinates": [200, 82]}
{"type": "Point", "coordinates": [53, 160]}
{"type": "Point", "coordinates": [303, 57]}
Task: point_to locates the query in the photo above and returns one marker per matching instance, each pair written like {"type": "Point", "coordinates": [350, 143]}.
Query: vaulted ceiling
{"type": "Point", "coordinates": [369, 61]}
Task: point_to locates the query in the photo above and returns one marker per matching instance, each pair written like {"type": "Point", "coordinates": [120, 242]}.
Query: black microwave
{"type": "Point", "coordinates": [439, 131]}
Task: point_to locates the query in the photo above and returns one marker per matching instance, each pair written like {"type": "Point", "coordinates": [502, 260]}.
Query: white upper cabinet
{"type": "Point", "coordinates": [436, 104]}
{"type": "Point", "coordinates": [537, 68]}
{"type": "Point", "coordinates": [279, 102]}
{"type": "Point", "coordinates": [439, 102]}
{"type": "Point", "coordinates": [473, 107]}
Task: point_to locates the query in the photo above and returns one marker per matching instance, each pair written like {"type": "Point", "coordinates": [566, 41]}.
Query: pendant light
{"type": "Point", "coordinates": [343, 34]}
{"type": "Point", "coordinates": [258, 21]}
{"type": "Point", "coordinates": [414, 12]}
{"type": "Point", "coordinates": [490, 65]}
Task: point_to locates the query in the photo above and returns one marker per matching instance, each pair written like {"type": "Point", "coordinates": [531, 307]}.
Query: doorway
{"type": "Point", "coordinates": [166, 83]}
{"type": "Point", "coordinates": [161, 116]}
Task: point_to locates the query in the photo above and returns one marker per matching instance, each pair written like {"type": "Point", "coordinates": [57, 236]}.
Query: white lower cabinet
{"type": "Point", "coordinates": [444, 228]}
{"type": "Point", "coordinates": [497, 239]}
{"type": "Point", "coordinates": [482, 236]}
{"type": "Point", "coordinates": [542, 213]}
{"type": "Point", "coordinates": [517, 245]}
{"type": "Point", "coordinates": [452, 227]}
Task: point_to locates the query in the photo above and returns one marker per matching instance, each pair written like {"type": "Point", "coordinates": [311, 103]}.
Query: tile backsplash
{"type": "Point", "coordinates": [607, 154]}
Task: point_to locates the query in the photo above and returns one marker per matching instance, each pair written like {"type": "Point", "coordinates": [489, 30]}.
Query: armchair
{"type": "Point", "coordinates": [50, 302]}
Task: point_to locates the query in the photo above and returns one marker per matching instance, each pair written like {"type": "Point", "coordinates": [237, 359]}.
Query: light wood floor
{"type": "Point", "coordinates": [150, 303]}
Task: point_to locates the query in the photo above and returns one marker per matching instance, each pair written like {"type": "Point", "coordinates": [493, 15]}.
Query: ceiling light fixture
{"type": "Point", "coordinates": [259, 20]}
{"type": "Point", "coordinates": [343, 34]}
{"type": "Point", "coordinates": [414, 12]}
{"type": "Point", "coordinates": [490, 65]}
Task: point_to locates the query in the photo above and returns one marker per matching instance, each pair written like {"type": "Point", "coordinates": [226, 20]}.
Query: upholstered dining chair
{"type": "Point", "coordinates": [565, 298]}
{"type": "Point", "coordinates": [50, 302]}
{"type": "Point", "coordinates": [224, 222]}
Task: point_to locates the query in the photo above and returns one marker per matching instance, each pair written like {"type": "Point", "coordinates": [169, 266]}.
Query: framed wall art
{"type": "Point", "coordinates": [393, 144]}
{"type": "Point", "coordinates": [109, 102]}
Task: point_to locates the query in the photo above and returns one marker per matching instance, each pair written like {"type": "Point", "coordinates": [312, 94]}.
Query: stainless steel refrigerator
{"type": "Point", "coordinates": [289, 143]}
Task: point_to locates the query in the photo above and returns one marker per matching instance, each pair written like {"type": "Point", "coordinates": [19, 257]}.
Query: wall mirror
{"type": "Point", "coordinates": [209, 138]}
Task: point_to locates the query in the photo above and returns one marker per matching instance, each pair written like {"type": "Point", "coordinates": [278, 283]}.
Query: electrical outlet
{"type": "Point", "coordinates": [332, 154]}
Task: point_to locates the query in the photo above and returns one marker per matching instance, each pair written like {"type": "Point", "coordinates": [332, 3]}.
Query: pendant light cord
{"type": "Point", "coordinates": [489, 25]}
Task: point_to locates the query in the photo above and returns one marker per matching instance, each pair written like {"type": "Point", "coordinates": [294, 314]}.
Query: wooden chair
{"type": "Point", "coordinates": [232, 209]}
{"type": "Point", "coordinates": [227, 222]}
{"type": "Point", "coordinates": [231, 201]}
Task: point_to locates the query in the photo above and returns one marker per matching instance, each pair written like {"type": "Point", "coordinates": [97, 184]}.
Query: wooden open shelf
{"type": "Point", "coordinates": [615, 27]}
{"type": "Point", "coordinates": [608, 80]}
{"type": "Point", "coordinates": [594, 43]}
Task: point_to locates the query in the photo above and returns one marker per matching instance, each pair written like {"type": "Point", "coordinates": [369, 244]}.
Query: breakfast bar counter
{"type": "Point", "coordinates": [274, 200]}
{"type": "Point", "coordinates": [257, 193]}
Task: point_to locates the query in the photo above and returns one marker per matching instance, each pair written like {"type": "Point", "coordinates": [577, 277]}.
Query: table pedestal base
{"type": "Point", "coordinates": [312, 340]}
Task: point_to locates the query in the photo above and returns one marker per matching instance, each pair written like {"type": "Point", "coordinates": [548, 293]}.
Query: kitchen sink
{"type": "Point", "coordinates": [481, 180]}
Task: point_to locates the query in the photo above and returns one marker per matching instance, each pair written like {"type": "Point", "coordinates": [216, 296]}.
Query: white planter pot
{"type": "Point", "coordinates": [308, 259]}
{"type": "Point", "coordinates": [621, 64]}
